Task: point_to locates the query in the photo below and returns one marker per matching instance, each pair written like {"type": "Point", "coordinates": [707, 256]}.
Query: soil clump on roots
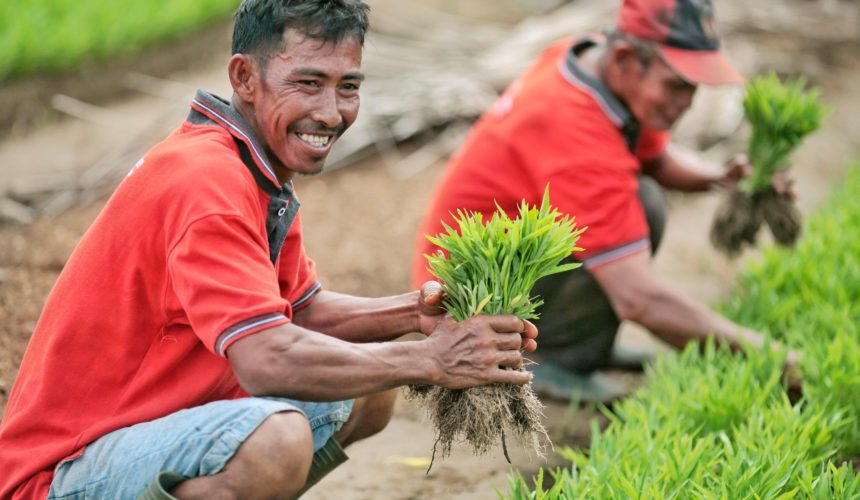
{"type": "Point", "coordinates": [740, 216]}
{"type": "Point", "coordinates": [483, 417]}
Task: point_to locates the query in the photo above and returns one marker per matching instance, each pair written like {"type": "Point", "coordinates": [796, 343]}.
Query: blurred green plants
{"type": "Point", "coordinates": [714, 424]}
{"type": "Point", "coordinates": [55, 35]}
{"type": "Point", "coordinates": [781, 115]}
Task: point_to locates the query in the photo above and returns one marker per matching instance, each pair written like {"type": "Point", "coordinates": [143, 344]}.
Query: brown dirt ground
{"type": "Point", "coordinates": [359, 223]}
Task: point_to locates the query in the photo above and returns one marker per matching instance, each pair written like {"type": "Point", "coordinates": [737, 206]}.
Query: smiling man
{"type": "Point", "coordinates": [591, 118]}
{"type": "Point", "coordinates": [187, 347]}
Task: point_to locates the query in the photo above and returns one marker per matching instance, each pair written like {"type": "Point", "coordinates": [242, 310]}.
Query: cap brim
{"type": "Point", "coordinates": [701, 67]}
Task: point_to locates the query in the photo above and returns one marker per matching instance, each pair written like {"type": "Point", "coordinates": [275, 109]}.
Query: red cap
{"type": "Point", "coordinates": [685, 35]}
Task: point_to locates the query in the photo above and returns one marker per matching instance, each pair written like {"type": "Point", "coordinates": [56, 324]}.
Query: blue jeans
{"type": "Point", "coordinates": [194, 442]}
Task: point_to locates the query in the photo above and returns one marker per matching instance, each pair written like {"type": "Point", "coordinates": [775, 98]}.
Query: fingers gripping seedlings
{"type": "Point", "coordinates": [781, 116]}
{"type": "Point", "coordinates": [491, 268]}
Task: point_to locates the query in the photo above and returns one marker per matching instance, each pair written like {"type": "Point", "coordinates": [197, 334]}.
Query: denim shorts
{"type": "Point", "coordinates": [194, 442]}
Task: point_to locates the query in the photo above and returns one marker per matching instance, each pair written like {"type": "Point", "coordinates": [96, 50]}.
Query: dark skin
{"type": "Point", "coordinates": [657, 97]}
{"type": "Point", "coordinates": [337, 347]}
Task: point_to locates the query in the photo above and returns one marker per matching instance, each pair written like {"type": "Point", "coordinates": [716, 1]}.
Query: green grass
{"type": "Point", "coordinates": [715, 424]}
{"type": "Point", "coordinates": [54, 35]}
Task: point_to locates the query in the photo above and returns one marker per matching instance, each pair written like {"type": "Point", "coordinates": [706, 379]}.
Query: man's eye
{"type": "Point", "coordinates": [309, 83]}
{"type": "Point", "coordinates": [350, 87]}
{"type": "Point", "coordinates": [680, 85]}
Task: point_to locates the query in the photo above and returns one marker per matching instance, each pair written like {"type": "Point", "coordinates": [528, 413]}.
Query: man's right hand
{"type": "Point", "coordinates": [480, 350]}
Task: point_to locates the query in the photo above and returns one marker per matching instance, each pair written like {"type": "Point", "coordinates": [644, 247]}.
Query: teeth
{"type": "Point", "coordinates": [315, 140]}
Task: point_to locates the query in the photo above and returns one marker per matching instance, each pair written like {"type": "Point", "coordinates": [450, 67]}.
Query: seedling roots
{"type": "Point", "coordinates": [481, 416]}
{"type": "Point", "coordinates": [740, 216]}
{"type": "Point", "coordinates": [736, 223]}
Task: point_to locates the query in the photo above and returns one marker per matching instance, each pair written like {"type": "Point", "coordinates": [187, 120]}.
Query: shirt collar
{"type": "Point", "coordinates": [614, 109]}
{"type": "Point", "coordinates": [209, 107]}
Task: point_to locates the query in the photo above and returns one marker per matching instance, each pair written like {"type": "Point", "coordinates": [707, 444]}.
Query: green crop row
{"type": "Point", "coordinates": [713, 424]}
{"type": "Point", "coordinates": [51, 35]}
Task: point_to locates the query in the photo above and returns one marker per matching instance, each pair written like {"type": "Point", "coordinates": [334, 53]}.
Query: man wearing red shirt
{"type": "Point", "coordinates": [189, 312]}
{"type": "Point", "coordinates": [591, 119]}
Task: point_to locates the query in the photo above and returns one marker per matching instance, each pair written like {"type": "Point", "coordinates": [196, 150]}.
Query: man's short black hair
{"type": "Point", "coordinates": [260, 24]}
{"type": "Point", "coordinates": [645, 50]}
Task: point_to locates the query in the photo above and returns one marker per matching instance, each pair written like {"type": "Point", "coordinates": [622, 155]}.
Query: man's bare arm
{"type": "Point", "coordinates": [361, 319]}
{"type": "Point", "coordinates": [684, 170]}
{"type": "Point", "coordinates": [291, 361]}
{"type": "Point", "coordinates": [637, 296]}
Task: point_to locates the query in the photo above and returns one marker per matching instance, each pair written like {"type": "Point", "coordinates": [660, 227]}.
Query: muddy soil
{"type": "Point", "coordinates": [360, 223]}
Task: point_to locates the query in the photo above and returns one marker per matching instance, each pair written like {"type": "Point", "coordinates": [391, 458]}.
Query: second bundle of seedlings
{"type": "Point", "coordinates": [781, 115]}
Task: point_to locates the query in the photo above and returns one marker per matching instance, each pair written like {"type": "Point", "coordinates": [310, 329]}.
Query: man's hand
{"type": "Point", "coordinates": [480, 350]}
{"type": "Point", "coordinates": [734, 170]}
{"type": "Point", "coordinates": [739, 168]}
{"type": "Point", "coordinates": [783, 183]}
{"type": "Point", "coordinates": [431, 313]}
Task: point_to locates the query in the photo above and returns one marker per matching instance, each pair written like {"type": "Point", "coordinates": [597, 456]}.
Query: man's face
{"type": "Point", "coordinates": [307, 98]}
{"type": "Point", "coordinates": [660, 96]}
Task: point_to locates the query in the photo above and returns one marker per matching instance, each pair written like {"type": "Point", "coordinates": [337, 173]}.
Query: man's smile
{"type": "Point", "coordinates": [315, 140]}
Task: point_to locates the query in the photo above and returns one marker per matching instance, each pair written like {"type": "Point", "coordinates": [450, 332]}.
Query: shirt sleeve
{"type": "Point", "coordinates": [297, 277]}
{"type": "Point", "coordinates": [651, 144]}
{"type": "Point", "coordinates": [594, 178]}
{"type": "Point", "coordinates": [224, 280]}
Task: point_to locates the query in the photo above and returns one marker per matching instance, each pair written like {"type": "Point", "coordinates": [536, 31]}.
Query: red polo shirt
{"type": "Point", "coordinates": [553, 125]}
{"type": "Point", "coordinates": [178, 265]}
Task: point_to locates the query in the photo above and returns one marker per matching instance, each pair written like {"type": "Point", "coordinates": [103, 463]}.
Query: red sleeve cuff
{"type": "Point", "coordinates": [306, 298]}
{"type": "Point", "coordinates": [616, 253]}
{"type": "Point", "coordinates": [247, 327]}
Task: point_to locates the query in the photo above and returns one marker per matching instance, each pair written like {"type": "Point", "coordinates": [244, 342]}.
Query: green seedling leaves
{"type": "Point", "coordinates": [781, 115]}
{"type": "Point", "coordinates": [492, 267]}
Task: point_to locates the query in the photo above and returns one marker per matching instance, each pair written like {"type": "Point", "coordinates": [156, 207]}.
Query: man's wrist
{"type": "Point", "coordinates": [420, 366]}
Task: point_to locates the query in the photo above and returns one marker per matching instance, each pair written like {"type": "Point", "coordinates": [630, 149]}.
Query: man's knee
{"type": "Point", "coordinates": [273, 462]}
{"type": "Point", "coordinates": [277, 455]}
{"type": "Point", "coordinates": [284, 431]}
{"type": "Point", "coordinates": [282, 446]}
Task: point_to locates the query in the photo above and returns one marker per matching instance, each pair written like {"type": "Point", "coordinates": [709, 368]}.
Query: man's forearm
{"type": "Point", "coordinates": [677, 321]}
{"type": "Point", "coordinates": [684, 170]}
{"type": "Point", "coordinates": [360, 319]}
{"type": "Point", "coordinates": [289, 361]}
{"type": "Point", "coordinates": [637, 296]}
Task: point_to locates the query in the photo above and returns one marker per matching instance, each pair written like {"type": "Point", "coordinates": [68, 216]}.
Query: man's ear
{"type": "Point", "coordinates": [244, 73]}
{"type": "Point", "coordinates": [623, 56]}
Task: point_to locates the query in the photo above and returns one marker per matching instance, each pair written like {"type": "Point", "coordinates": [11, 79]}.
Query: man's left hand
{"type": "Point", "coordinates": [739, 168]}
{"type": "Point", "coordinates": [734, 170]}
{"type": "Point", "coordinates": [431, 312]}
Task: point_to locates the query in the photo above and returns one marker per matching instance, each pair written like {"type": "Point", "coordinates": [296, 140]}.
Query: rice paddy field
{"type": "Point", "coordinates": [54, 35]}
{"type": "Point", "coordinates": [715, 424]}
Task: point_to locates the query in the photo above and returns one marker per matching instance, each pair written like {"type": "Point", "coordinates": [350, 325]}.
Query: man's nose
{"type": "Point", "coordinates": [326, 112]}
{"type": "Point", "coordinates": [685, 99]}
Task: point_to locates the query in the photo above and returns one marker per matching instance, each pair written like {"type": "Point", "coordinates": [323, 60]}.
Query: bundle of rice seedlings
{"type": "Point", "coordinates": [781, 115]}
{"type": "Point", "coordinates": [491, 269]}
